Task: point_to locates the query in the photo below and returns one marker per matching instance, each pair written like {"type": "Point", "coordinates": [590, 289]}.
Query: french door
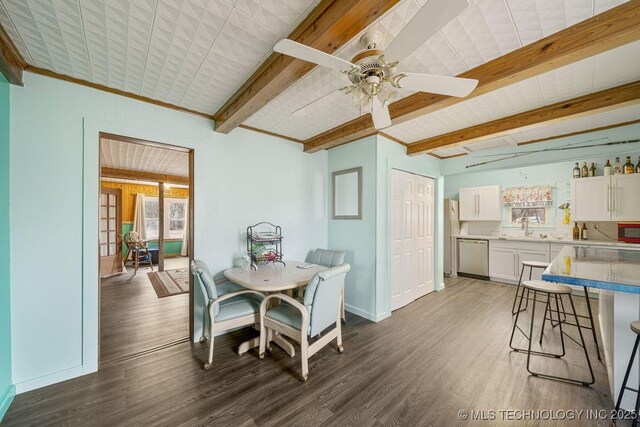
{"type": "Point", "coordinates": [110, 229]}
{"type": "Point", "coordinates": [412, 237]}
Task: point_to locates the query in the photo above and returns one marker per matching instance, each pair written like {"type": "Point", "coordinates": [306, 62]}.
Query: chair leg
{"type": "Point", "coordinates": [342, 312]}
{"type": "Point", "coordinates": [263, 340]}
{"type": "Point", "coordinates": [207, 365]}
{"type": "Point", "coordinates": [626, 375]}
{"type": "Point", "coordinates": [593, 328]}
{"type": "Point", "coordinates": [304, 357]}
{"type": "Point", "coordinates": [515, 298]}
{"type": "Point", "coordinates": [339, 337]}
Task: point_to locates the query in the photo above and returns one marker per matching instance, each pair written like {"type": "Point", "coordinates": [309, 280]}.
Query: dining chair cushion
{"type": "Point", "coordinates": [227, 287]}
{"type": "Point", "coordinates": [326, 257]}
{"type": "Point", "coordinates": [203, 273]}
{"type": "Point", "coordinates": [322, 297]}
{"type": "Point", "coordinates": [287, 314]}
{"type": "Point", "coordinates": [242, 305]}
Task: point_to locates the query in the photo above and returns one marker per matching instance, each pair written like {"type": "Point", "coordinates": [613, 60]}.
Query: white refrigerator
{"type": "Point", "coordinates": [451, 228]}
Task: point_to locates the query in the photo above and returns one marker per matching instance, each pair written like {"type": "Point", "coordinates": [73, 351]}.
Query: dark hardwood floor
{"type": "Point", "coordinates": [134, 319]}
{"type": "Point", "coordinates": [446, 352]}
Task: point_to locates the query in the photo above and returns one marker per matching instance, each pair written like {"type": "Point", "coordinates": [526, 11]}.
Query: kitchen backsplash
{"type": "Point", "coordinates": [490, 228]}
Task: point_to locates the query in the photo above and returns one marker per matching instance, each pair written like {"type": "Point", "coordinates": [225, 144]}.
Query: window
{"type": "Point", "coordinates": [175, 216]}
{"type": "Point", "coordinates": [528, 203]}
{"type": "Point", "coordinates": [537, 216]}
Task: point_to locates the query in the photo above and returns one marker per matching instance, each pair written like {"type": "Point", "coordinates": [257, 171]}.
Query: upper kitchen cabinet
{"type": "Point", "coordinates": [606, 198]}
{"type": "Point", "coordinates": [480, 203]}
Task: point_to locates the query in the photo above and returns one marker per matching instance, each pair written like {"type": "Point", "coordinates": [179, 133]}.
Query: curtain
{"type": "Point", "coordinates": [185, 235]}
{"type": "Point", "coordinates": [139, 222]}
{"type": "Point", "coordinates": [522, 197]}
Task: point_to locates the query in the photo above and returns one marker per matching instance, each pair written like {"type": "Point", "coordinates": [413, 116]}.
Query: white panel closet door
{"type": "Point", "coordinates": [412, 235]}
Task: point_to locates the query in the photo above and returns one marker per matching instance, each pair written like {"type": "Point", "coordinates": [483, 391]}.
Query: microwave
{"type": "Point", "coordinates": [629, 232]}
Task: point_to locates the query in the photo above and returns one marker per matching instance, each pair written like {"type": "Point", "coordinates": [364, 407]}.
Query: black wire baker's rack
{"type": "Point", "coordinates": [264, 243]}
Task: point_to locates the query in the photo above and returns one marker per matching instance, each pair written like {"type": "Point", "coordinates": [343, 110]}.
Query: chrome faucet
{"type": "Point", "coordinates": [525, 223]}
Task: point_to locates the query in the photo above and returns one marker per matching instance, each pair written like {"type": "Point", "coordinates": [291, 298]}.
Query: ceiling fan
{"type": "Point", "coordinates": [372, 72]}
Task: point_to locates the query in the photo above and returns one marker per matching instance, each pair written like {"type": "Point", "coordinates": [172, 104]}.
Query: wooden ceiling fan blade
{"type": "Point", "coordinates": [309, 54]}
{"type": "Point", "coordinates": [443, 85]}
{"type": "Point", "coordinates": [380, 114]}
{"type": "Point", "coordinates": [323, 101]}
{"type": "Point", "coordinates": [430, 19]}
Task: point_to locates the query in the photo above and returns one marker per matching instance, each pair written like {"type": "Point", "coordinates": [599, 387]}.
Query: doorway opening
{"type": "Point", "coordinates": [412, 237]}
{"type": "Point", "coordinates": [145, 246]}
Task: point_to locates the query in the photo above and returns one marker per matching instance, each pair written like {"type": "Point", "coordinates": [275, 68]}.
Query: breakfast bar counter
{"type": "Point", "coordinates": [616, 273]}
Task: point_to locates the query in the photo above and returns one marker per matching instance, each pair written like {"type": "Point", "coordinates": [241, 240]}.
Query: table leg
{"type": "Point", "coordinates": [248, 345]}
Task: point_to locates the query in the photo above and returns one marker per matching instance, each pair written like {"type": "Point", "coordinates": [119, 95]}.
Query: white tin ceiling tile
{"type": "Point", "coordinates": [533, 133]}
{"type": "Point", "coordinates": [567, 82]}
{"type": "Point", "coordinates": [276, 15]}
{"type": "Point", "coordinates": [57, 34]}
{"type": "Point", "coordinates": [247, 37]}
{"type": "Point", "coordinates": [606, 118]}
{"type": "Point", "coordinates": [487, 144]}
{"type": "Point", "coordinates": [617, 67]}
{"type": "Point", "coordinates": [604, 5]}
{"type": "Point", "coordinates": [147, 4]}
{"type": "Point", "coordinates": [449, 151]}
{"type": "Point", "coordinates": [536, 19]}
{"type": "Point", "coordinates": [204, 17]}
{"type": "Point", "coordinates": [435, 57]}
{"type": "Point", "coordinates": [482, 32]}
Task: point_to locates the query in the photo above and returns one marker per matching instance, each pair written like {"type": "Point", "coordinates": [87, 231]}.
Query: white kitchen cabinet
{"type": "Point", "coordinates": [505, 259]}
{"type": "Point", "coordinates": [606, 198]}
{"type": "Point", "coordinates": [480, 203]}
{"type": "Point", "coordinates": [502, 263]}
{"type": "Point", "coordinates": [468, 204]}
{"type": "Point", "coordinates": [489, 207]}
{"type": "Point", "coordinates": [591, 199]}
{"type": "Point", "coordinates": [626, 197]}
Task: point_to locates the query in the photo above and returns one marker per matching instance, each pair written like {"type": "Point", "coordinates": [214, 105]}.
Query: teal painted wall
{"type": "Point", "coordinates": [357, 236]}
{"type": "Point", "coordinates": [54, 138]}
{"type": "Point", "coordinates": [7, 389]}
{"type": "Point", "coordinates": [368, 284]}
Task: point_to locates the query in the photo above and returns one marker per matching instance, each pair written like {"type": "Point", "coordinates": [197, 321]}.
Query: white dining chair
{"type": "Point", "coordinates": [228, 305]}
{"type": "Point", "coordinates": [301, 321]}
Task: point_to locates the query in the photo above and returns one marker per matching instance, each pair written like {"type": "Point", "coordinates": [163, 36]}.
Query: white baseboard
{"type": "Point", "coordinates": [360, 312]}
{"type": "Point", "coordinates": [49, 379]}
{"type": "Point", "coordinates": [6, 399]}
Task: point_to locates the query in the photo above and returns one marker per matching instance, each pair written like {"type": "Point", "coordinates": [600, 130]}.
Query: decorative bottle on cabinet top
{"type": "Point", "coordinates": [628, 166]}
{"type": "Point", "coordinates": [585, 170]}
{"type": "Point", "coordinates": [638, 165]}
{"type": "Point", "coordinates": [617, 167]}
{"type": "Point", "coordinates": [576, 171]}
{"type": "Point", "coordinates": [576, 231]}
{"type": "Point", "coordinates": [592, 170]}
{"type": "Point", "coordinates": [608, 169]}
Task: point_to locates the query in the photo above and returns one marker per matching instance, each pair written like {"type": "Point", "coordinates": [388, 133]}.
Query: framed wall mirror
{"type": "Point", "coordinates": [347, 194]}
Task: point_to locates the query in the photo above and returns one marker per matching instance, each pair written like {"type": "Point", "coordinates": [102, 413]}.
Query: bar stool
{"type": "Point", "coordinates": [556, 291]}
{"type": "Point", "coordinates": [635, 327]}
{"type": "Point", "coordinates": [531, 264]}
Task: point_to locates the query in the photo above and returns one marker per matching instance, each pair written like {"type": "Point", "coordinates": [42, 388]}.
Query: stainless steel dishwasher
{"type": "Point", "coordinates": [473, 258]}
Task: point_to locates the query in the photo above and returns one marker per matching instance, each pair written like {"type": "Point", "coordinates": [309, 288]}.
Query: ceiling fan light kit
{"type": "Point", "coordinates": [374, 78]}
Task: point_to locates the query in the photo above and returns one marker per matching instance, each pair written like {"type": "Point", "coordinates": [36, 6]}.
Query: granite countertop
{"type": "Point", "coordinates": [616, 269]}
{"type": "Point", "coordinates": [612, 243]}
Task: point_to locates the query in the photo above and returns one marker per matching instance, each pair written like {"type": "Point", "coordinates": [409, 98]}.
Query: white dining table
{"type": "Point", "coordinates": [273, 278]}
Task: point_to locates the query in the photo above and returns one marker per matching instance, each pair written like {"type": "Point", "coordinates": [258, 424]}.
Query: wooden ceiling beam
{"type": "Point", "coordinates": [608, 30]}
{"type": "Point", "coordinates": [143, 176]}
{"type": "Point", "coordinates": [331, 25]}
{"type": "Point", "coordinates": [604, 100]}
{"type": "Point", "coordinates": [11, 61]}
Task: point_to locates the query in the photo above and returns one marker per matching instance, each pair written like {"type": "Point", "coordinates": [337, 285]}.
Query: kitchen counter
{"type": "Point", "coordinates": [616, 272]}
{"type": "Point", "coordinates": [552, 240]}
{"type": "Point", "coordinates": [615, 269]}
